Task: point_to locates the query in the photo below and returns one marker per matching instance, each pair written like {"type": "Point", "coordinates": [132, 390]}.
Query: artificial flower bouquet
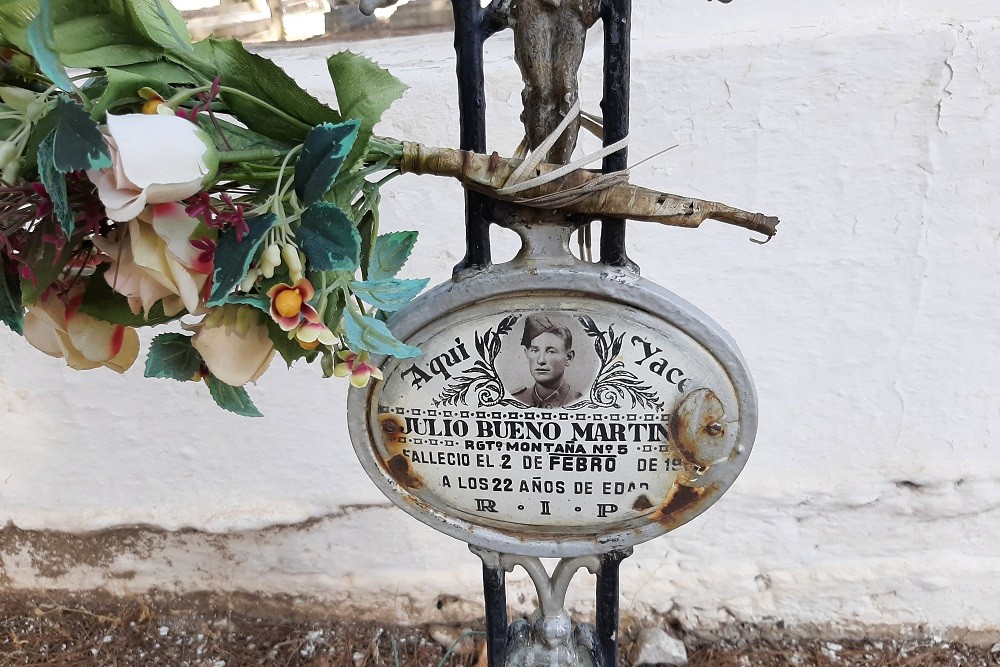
{"type": "Point", "coordinates": [146, 179]}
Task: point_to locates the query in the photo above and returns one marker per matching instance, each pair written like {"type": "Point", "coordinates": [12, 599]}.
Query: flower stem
{"type": "Point", "coordinates": [249, 155]}
{"type": "Point", "coordinates": [185, 95]}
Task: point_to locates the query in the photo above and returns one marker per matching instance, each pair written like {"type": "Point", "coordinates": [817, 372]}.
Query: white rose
{"type": "Point", "coordinates": [155, 159]}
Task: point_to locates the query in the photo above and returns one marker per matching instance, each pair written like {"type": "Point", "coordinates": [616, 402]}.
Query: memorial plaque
{"type": "Point", "coordinates": [559, 420]}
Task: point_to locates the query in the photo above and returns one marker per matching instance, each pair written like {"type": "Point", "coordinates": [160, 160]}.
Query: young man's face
{"type": "Point", "coordinates": [548, 359]}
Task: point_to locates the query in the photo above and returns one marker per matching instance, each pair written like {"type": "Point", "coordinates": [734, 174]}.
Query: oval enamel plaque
{"type": "Point", "coordinates": [554, 422]}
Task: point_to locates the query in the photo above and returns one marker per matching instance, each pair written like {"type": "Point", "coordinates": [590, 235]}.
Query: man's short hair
{"type": "Point", "coordinates": [536, 325]}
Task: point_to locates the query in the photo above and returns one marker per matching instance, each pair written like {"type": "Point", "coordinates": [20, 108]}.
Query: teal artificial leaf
{"type": "Point", "coordinates": [328, 239]}
{"type": "Point", "coordinates": [15, 15]}
{"type": "Point", "coordinates": [78, 144]}
{"type": "Point", "coordinates": [371, 335]}
{"type": "Point", "coordinates": [232, 256]}
{"type": "Point", "coordinates": [42, 43]}
{"type": "Point", "coordinates": [261, 303]}
{"type": "Point", "coordinates": [364, 91]}
{"type": "Point", "coordinates": [259, 77]}
{"type": "Point", "coordinates": [11, 310]}
{"type": "Point", "coordinates": [124, 82]}
{"type": "Point", "coordinates": [233, 399]}
{"type": "Point", "coordinates": [172, 356]}
{"type": "Point", "coordinates": [388, 294]}
{"type": "Point", "coordinates": [389, 254]}
{"type": "Point", "coordinates": [323, 152]}
{"type": "Point", "coordinates": [104, 303]}
{"type": "Point", "coordinates": [55, 184]}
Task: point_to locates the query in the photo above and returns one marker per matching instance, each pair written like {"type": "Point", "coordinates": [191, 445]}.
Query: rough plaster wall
{"type": "Point", "coordinates": [871, 325]}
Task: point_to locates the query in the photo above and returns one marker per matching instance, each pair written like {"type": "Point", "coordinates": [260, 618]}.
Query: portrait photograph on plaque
{"type": "Point", "coordinates": [552, 364]}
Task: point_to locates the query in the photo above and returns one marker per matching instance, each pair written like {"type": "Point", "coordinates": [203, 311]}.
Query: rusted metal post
{"type": "Point", "coordinates": [617, 19]}
{"type": "Point", "coordinates": [495, 594]}
{"type": "Point", "coordinates": [606, 618]}
{"type": "Point", "coordinates": [470, 33]}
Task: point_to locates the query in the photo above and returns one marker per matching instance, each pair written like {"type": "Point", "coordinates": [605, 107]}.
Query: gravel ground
{"type": "Point", "coordinates": [40, 630]}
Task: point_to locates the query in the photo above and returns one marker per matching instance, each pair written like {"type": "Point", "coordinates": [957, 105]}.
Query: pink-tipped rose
{"type": "Point", "coordinates": [154, 260]}
{"type": "Point", "coordinates": [83, 341]}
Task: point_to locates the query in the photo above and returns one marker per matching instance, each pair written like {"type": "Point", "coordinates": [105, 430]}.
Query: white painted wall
{"type": "Point", "coordinates": [872, 325]}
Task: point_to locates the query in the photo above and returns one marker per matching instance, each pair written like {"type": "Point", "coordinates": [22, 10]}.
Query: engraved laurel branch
{"type": "Point", "coordinates": [614, 382]}
{"type": "Point", "coordinates": [481, 377]}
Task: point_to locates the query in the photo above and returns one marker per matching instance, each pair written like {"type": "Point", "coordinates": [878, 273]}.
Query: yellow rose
{"type": "Point", "coordinates": [233, 342]}
{"type": "Point", "coordinates": [153, 260]}
{"type": "Point", "coordinates": [85, 342]}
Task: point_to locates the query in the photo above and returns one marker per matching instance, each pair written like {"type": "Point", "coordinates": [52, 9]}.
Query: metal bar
{"type": "Point", "coordinates": [616, 16]}
{"type": "Point", "coordinates": [469, 37]}
{"type": "Point", "coordinates": [495, 592]}
{"type": "Point", "coordinates": [606, 621]}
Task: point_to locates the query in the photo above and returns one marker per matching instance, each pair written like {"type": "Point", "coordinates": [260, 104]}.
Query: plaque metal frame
{"type": "Point", "coordinates": [545, 266]}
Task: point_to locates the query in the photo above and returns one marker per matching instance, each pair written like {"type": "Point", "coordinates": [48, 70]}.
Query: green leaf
{"type": "Point", "coordinates": [124, 82]}
{"type": "Point", "coordinates": [368, 228]}
{"type": "Point", "coordinates": [371, 335]}
{"type": "Point", "coordinates": [335, 310]}
{"type": "Point", "coordinates": [39, 131]}
{"type": "Point", "coordinates": [11, 310]}
{"type": "Point", "coordinates": [172, 356]}
{"type": "Point", "coordinates": [388, 294]}
{"type": "Point", "coordinates": [42, 42]}
{"type": "Point", "coordinates": [346, 188]}
{"type": "Point", "coordinates": [78, 143]}
{"type": "Point", "coordinates": [100, 33]}
{"type": "Point", "coordinates": [261, 303]}
{"type": "Point", "coordinates": [102, 302]}
{"type": "Point", "coordinates": [364, 91]}
{"type": "Point", "coordinates": [288, 348]}
{"type": "Point", "coordinates": [15, 15]}
{"type": "Point", "coordinates": [232, 257]}
{"type": "Point", "coordinates": [324, 151]}
{"type": "Point", "coordinates": [328, 239]}
{"type": "Point", "coordinates": [233, 399]}
{"type": "Point", "coordinates": [240, 138]}
{"type": "Point", "coordinates": [261, 78]}
{"type": "Point", "coordinates": [159, 22]}
{"type": "Point", "coordinates": [8, 125]}
{"type": "Point", "coordinates": [390, 254]}
{"type": "Point", "coordinates": [45, 259]}
{"type": "Point", "coordinates": [55, 184]}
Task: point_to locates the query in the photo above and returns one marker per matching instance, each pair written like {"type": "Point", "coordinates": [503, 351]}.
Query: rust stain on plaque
{"type": "Point", "coordinates": [392, 433]}
{"type": "Point", "coordinates": [402, 472]}
{"type": "Point", "coordinates": [642, 503]}
{"type": "Point", "coordinates": [396, 462]}
{"type": "Point", "coordinates": [682, 503]}
{"type": "Point", "coordinates": [697, 427]}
